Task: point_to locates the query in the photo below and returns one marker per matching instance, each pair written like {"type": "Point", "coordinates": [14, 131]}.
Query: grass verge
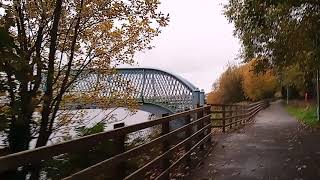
{"type": "Point", "coordinates": [305, 114]}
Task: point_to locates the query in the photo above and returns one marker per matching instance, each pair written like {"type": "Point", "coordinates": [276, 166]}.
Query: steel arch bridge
{"type": "Point", "coordinates": [157, 91]}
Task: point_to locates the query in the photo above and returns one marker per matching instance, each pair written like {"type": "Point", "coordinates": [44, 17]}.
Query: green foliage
{"type": "Point", "coordinates": [299, 82]}
{"type": "Point", "coordinates": [292, 76]}
{"type": "Point", "coordinates": [278, 33]}
{"type": "Point", "coordinates": [305, 114]}
{"type": "Point", "coordinates": [83, 131]}
{"type": "Point", "coordinates": [281, 32]}
{"type": "Point", "coordinates": [282, 36]}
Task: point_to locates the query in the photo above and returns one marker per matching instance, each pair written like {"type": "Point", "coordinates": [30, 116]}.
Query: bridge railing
{"type": "Point", "coordinates": [167, 154]}
{"type": "Point", "coordinates": [231, 116]}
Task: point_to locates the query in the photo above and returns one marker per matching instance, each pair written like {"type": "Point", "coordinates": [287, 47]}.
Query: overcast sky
{"type": "Point", "coordinates": [197, 44]}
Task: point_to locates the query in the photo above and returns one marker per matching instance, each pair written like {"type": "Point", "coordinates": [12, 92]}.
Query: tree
{"type": "Point", "coordinates": [277, 33]}
{"type": "Point", "coordinates": [239, 83]}
{"type": "Point", "coordinates": [215, 96]}
{"type": "Point", "coordinates": [47, 45]}
{"type": "Point", "coordinates": [293, 78]}
{"type": "Point", "coordinates": [228, 88]}
{"type": "Point", "coordinates": [258, 86]}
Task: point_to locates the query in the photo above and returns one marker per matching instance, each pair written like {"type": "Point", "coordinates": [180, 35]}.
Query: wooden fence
{"type": "Point", "coordinates": [231, 116]}
{"type": "Point", "coordinates": [176, 149]}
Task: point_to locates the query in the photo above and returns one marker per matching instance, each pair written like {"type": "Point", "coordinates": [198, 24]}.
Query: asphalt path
{"type": "Point", "coordinates": [274, 146]}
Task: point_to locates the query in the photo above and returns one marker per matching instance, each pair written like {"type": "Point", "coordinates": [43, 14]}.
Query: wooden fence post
{"type": "Point", "coordinates": [120, 148]}
{"type": "Point", "coordinates": [223, 118]}
{"type": "Point", "coordinates": [165, 129]}
{"type": "Point", "coordinates": [200, 125]}
{"type": "Point", "coordinates": [236, 114]}
{"type": "Point", "coordinates": [243, 114]}
{"type": "Point", "coordinates": [208, 112]}
{"type": "Point", "coordinates": [248, 112]}
{"type": "Point", "coordinates": [188, 144]}
{"type": "Point", "coordinates": [230, 116]}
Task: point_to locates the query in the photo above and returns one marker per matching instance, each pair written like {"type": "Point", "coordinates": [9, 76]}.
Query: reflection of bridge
{"type": "Point", "coordinates": [158, 91]}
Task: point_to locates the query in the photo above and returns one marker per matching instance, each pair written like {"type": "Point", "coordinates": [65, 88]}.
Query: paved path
{"type": "Point", "coordinates": [273, 147]}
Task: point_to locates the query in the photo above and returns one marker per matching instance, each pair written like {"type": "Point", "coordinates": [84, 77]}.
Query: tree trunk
{"type": "Point", "coordinates": [318, 97]}
{"type": "Point", "coordinates": [44, 132]}
{"type": "Point", "coordinates": [19, 135]}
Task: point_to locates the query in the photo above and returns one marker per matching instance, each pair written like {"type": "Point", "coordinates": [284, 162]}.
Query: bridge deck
{"type": "Point", "coordinates": [275, 147]}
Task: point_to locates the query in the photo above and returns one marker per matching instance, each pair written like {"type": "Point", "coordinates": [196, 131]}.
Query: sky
{"type": "Point", "coordinates": [197, 44]}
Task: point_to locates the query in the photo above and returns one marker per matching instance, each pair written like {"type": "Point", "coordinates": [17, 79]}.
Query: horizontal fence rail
{"type": "Point", "coordinates": [169, 151]}
{"type": "Point", "coordinates": [231, 116]}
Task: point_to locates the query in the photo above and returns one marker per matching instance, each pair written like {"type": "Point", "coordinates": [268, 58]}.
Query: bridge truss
{"type": "Point", "coordinates": [153, 88]}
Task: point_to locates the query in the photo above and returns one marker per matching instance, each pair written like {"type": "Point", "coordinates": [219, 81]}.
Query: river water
{"type": "Point", "coordinates": [91, 117]}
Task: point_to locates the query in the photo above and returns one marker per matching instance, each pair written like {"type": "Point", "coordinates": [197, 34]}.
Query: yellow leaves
{"type": "Point", "coordinates": [106, 26]}
{"type": "Point", "coordinates": [258, 86]}
{"type": "Point", "coordinates": [214, 97]}
{"type": "Point", "coordinates": [117, 34]}
{"type": "Point", "coordinates": [100, 51]}
{"type": "Point", "coordinates": [107, 33]}
{"type": "Point", "coordinates": [163, 21]}
{"type": "Point", "coordinates": [228, 88]}
{"type": "Point", "coordinates": [151, 2]}
{"type": "Point", "coordinates": [238, 83]}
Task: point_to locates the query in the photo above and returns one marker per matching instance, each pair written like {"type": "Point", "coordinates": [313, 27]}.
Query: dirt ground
{"type": "Point", "coordinates": [274, 146]}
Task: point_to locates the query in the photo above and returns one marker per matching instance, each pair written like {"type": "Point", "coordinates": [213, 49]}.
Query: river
{"type": "Point", "coordinates": [91, 117]}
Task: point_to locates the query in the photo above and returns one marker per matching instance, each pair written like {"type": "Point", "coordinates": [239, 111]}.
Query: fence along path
{"type": "Point", "coordinates": [176, 148]}
{"type": "Point", "coordinates": [230, 116]}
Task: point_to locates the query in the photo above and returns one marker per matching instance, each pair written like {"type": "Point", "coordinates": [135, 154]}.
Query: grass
{"type": "Point", "coordinates": [305, 114]}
